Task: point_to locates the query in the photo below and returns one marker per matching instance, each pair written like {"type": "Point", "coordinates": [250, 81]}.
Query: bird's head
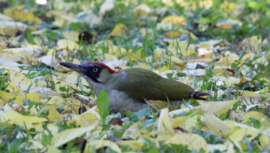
{"type": "Point", "coordinates": [93, 72]}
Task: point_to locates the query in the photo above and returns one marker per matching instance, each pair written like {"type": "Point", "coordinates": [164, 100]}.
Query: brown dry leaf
{"type": "Point", "coordinates": [193, 141]}
{"type": "Point", "coordinates": [120, 30]}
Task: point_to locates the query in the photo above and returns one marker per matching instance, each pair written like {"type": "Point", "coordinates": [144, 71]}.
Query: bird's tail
{"type": "Point", "coordinates": [199, 95]}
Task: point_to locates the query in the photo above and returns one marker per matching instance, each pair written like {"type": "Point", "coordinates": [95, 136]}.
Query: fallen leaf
{"type": "Point", "coordinates": [97, 144]}
{"type": "Point", "coordinates": [164, 123]}
{"type": "Point", "coordinates": [175, 20]}
{"type": "Point", "coordinates": [193, 141]}
{"type": "Point", "coordinates": [13, 117]}
{"type": "Point", "coordinates": [120, 30]}
{"type": "Point", "coordinates": [70, 134]}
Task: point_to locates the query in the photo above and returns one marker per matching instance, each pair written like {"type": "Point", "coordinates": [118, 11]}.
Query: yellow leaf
{"type": "Point", "coordinates": [86, 119]}
{"type": "Point", "coordinates": [193, 141]}
{"type": "Point", "coordinates": [228, 24]}
{"type": "Point", "coordinates": [70, 134]}
{"type": "Point", "coordinates": [217, 108]}
{"type": "Point", "coordinates": [141, 10]}
{"type": "Point", "coordinates": [134, 57]}
{"type": "Point", "coordinates": [157, 104]}
{"type": "Point", "coordinates": [143, 66]}
{"type": "Point", "coordinates": [19, 99]}
{"type": "Point", "coordinates": [228, 59]}
{"type": "Point", "coordinates": [228, 7]}
{"type": "Point", "coordinates": [223, 72]}
{"type": "Point", "coordinates": [55, 100]}
{"type": "Point", "coordinates": [73, 106]}
{"type": "Point", "coordinates": [145, 134]}
{"type": "Point", "coordinates": [247, 57]}
{"type": "Point", "coordinates": [6, 96]}
{"type": "Point", "coordinates": [54, 115]}
{"type": "Point", "coordinates": [179, 121]}
{"type": "Point", "coordinates": [206, 54]}
{"type": "Point", "coordinates": [11, 27]}
{"type": "Point", "coordinates": [18, 13]}
{"type": "Point", "coordinates": [16, 118]}
{"type": "Point", "coordinates": [215, 125]}
{"type": "Point", "coordinates": [254, 114]}
{"type": "Point", "coordinates": [264, 141]}
{"type": "Point", "coordinates": [33, 97]}
{"type": "Point", "coordinates": [119, 30]}
{"type": "Point", "coordinates": [175, 20]}
{"type": "Point", "coordinates": [177, 60]}
{"type": "Point", "coordinates": [21, 82]}
{"type": "Point", "coordinates": [173, 34]}
{"type": "Point", "coordinates": [164, 126]}
{"type": "Point", "coordinates": [71, 35]}
{"type": "Point", "coordinates": [181, 47]}
{"type": "Point", "coordinates": [67, 44]}
{"type": "Point", "coordinates": [239, 135]}
{"type": "Point", "coordinates": [29, 52]}
{"type": "Point", "coordinates": [109, 57]}
{"type": "Point", "coordinates": [132, 144]}
{"type": "Point", "coordinates": [51, 148]}
{"type": "Point", "coordinates": [107, 5]}
{"type": "Point", "coordinates": [164, 68]}
{"type": "Point", "coordinates": [97, 144]}
{"type": "Point", "coordinates": [12, 88]}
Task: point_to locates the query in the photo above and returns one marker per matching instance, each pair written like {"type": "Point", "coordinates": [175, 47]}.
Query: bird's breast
{"type": "Point", "coordinates": [119, 101]}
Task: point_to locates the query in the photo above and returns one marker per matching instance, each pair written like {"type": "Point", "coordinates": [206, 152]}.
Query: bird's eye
{"type": "Point", "coordinates": [95, 69]}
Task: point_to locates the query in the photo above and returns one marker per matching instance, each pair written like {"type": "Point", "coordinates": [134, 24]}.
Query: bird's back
{"type": "Point", "coordinates": [142, 84]}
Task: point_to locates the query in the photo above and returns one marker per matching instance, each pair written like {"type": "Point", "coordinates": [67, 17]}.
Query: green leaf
{"type": "Point", "coordinates": [103, 105]}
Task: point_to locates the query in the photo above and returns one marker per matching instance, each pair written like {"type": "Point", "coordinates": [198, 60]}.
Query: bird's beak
{"type": "Point", "coordinates": [75, 67]}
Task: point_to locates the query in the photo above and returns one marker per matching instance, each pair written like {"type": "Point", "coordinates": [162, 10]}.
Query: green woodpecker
{"type": "Point", "coordinates": [130, 88]}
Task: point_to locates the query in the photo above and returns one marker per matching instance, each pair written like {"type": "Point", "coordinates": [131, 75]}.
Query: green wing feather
{"type": "Point", "coordinates": [152, 86]}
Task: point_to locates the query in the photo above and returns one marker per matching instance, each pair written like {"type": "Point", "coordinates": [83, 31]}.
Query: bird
{"type": "Point", "coordinates": [129, 89]}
